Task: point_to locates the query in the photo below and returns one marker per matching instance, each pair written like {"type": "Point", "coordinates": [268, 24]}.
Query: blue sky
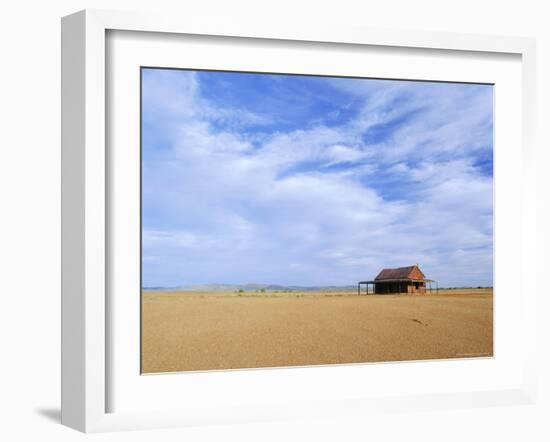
{"type": "Point", "coordinates": [304, 180]}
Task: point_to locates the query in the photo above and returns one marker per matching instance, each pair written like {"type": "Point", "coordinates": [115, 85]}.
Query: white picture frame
{"type": "Point", "coordinates": [86, 203]}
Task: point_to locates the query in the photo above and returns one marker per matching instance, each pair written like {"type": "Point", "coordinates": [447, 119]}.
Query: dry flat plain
{"type": "Point", "coordinates": [214, 330]}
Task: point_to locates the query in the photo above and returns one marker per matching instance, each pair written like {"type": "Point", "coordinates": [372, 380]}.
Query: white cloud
{"type": "Point", "coordinates": [238, 208]}
{"type": "Point", "coordinates": [339, 153]}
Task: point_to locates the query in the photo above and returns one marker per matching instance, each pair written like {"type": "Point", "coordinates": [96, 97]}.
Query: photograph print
{"type": "Point", "coordinates": [302, 220]}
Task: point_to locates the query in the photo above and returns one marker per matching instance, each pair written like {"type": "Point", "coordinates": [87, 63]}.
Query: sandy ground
{"type": "Point", "coordinates": [204, 331]}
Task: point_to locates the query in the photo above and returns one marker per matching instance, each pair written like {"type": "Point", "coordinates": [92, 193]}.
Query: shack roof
{"type": "Point", "coordinates": [401, 273]}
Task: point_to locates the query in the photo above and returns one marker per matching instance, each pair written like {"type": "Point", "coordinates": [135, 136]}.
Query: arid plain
{"type": "Point", "coordinates": [184, 331]}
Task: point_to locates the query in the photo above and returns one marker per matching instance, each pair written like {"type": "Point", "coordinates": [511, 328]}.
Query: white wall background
{"type": "Point", "coordinates": [30, 215]}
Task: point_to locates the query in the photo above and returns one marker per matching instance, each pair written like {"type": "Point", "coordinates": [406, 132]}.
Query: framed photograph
{"type": "Point", "coordinates": [266, 197]}
{"type": "Point", "coordinates": [269, 222]}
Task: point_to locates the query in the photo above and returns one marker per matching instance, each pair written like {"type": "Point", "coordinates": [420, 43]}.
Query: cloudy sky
{"type": "Point", "coordinates": [304, 180]}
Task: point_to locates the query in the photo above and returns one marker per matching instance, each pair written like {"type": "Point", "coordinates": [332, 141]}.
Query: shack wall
{"type": "Point", "coordinates": [400, 287]}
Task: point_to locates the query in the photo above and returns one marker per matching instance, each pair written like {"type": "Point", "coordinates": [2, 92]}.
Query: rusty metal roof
{"type": "Point", "coordinates": [397, 280]}
{"type": "Point", "coordinates": [400, 273]}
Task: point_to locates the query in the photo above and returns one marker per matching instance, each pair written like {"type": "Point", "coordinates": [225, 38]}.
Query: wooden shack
{"type": "Point", "coordinates": [399, 280]}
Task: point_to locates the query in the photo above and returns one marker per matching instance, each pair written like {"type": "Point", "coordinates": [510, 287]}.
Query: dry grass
{"type": "Point", "coordinates": [204, 331]}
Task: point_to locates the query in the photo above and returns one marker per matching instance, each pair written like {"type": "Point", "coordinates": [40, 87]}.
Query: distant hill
{"type": "Point", "coordinates": [252, 287]}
